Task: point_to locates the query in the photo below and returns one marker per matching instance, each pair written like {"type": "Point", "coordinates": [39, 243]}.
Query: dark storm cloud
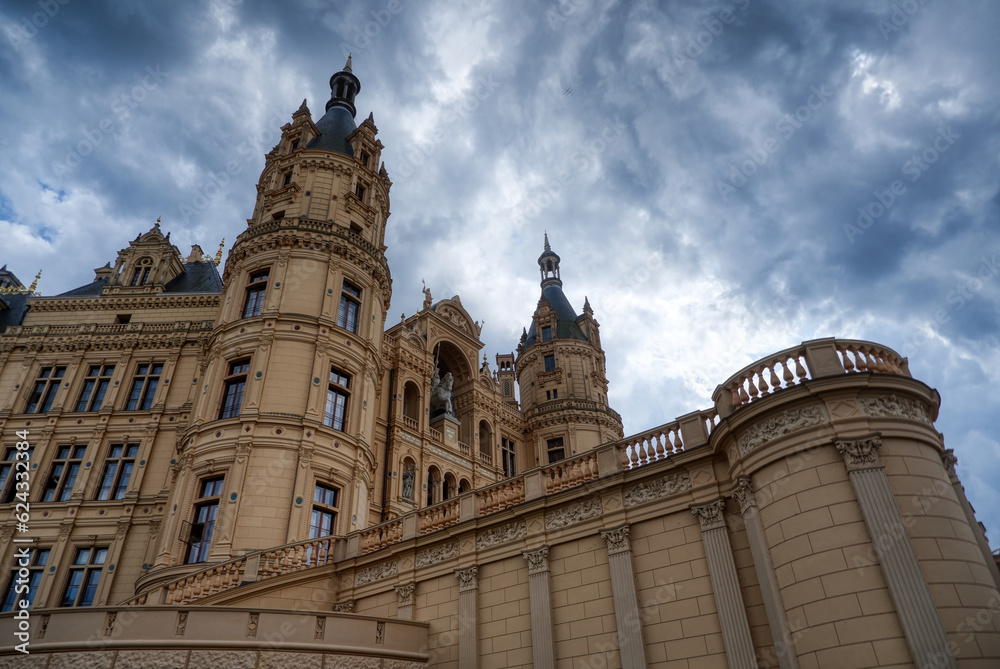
{"type": "Point", "coordinates": [609, 124]}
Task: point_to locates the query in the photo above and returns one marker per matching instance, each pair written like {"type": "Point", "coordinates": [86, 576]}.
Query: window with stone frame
{"type": "Point", "coordinates": [337, 396]}
{"type": "Point", "coordinates": [84, 576]}
{"type": "Point", "coordinates": [198, 533]}
{"type": "Point", "coordinates": [556, 450]}
{"type": "Point", "coordinates": [63, 472]}
{"type": "Point", "coordinates": [43, 393]}
{"type": "Point", "coordinates": [10, 483]}
{"type": "Point", "coordinates": [233, 388]}
{"type": "Point", "coordinates": [28, 583]}
{"type": "Point", "coordinates": [350, 307]}
{"type": "Point", "coordinates": [118, 467]}
{"type": "Point", "coordinates": [144, 384]}
{"type": "Point", "coordinates": [323, 518]}
{"type": "Point", "coordinates": [95, 387]}
{"type": "Point", "coordinates": [256, 290]}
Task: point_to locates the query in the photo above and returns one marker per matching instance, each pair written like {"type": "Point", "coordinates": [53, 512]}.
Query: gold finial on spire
{"type": "Point", "coordinates": [34, 284]}
{"type": "Point", "coordinates": [347, 67]}
{"type": "Point", "coordinates": [159, 219]}
{"type": "Point", "coordinates": [218, 254]}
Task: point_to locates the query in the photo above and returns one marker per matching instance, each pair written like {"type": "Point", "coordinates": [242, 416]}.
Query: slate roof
{"type": "Point", "coordinates": [566, 325]}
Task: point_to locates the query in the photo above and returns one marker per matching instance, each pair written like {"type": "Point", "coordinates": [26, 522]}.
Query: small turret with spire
{"type": "Point", "coordinates": [344, 87]}
{"type": "Point", "coordinates": [548, 263]}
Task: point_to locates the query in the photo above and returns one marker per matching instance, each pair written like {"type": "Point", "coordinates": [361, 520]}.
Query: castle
{"type": "Point", "coordinates": [252, 470]}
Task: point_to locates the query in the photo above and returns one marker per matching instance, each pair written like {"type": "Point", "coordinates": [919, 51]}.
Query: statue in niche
{"type": "Point", "coordinates": [441, 394]}
{"type": "Point", "coordinates": [408, 478]}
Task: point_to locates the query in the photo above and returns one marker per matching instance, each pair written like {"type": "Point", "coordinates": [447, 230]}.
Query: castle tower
{"type": "Point", "coordinates": [560, 370]}
{"type": "Point", "coordinates": [281, 446]}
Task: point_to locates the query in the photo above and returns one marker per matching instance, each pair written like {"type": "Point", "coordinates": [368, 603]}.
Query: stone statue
{"type": "Point", "coordinates": [427, 294]}
{"type": "Point", "coordinates": [408, 478]}
{"type": "Point", "coordinates": [441, 393]}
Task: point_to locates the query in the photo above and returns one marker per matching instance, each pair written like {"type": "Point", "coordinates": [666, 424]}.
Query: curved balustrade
{"type": "Point", "coordinates": [651, 445]}
{"type": "Point", "coordinates": [438, 517]}
{"type": "Point", "coordinates": [295, 557]}
{"type": "Point", "coordinates": [215, 579]}
{"type": "Point", "coordinates": [381, 536]}
{"type": "Point", "coordinates": [808, 360]}
{"type": "Point", "coordinates": [500, 496]}
{"type": "Point", "coordinates": [570, 473]}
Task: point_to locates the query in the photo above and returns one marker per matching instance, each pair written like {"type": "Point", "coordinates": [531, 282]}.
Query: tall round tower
{"type": "Point", "coordinates": [280, 447]}
{"type": "Point", "coordinates": [561, 374]}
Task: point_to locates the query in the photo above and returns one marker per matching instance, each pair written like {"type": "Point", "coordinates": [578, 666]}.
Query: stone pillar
{"type": "Point", "coordinates": [773, 604]}
{"type": "Point", "coordinates": [908, 588]}
{"type": "Point", "coordinates": [726, 586]}
{"type": "Point", "coordinates": [630, 643]}
{"type": "Point", "coordinates": [542, 648]}
{"type": "Point", "coordinates": [949, 459]}
{"type": "Point", "coordinates": [468, 632]}
{"type": "Point", "coordinates": [404, 608]}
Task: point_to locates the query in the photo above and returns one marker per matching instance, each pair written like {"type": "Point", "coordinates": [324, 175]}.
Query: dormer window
{"type": "Point", "coordinates": [546, 332]}
{"type": "Point", "coordinates": [287, 180]}
{"type": "Point", "coordinates": [364, 159]}
{"type": "Point", "coordinates": [141, 273]}
{"type": "Point", "coordinates": [359, 190]}
{"type": "Point", "coordinates": [295, 145]}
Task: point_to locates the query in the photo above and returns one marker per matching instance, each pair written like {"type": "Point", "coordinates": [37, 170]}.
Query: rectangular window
{"type": "Point", "coordinates": [117, 471]}
{"type": "Point", "coordinates": [199, 532]}
{"type": "Point", "coordinates": [556, 450]}
{"type": "Point", "coordinates": [350, 305]}
{"type": "Point", "coordinates": [287, 180]}
{"type": "Point", "coordinates": [256, 289]}
{"type": "Point", "coordinates": [324, 511]}
{"type": "Point", "coordinates": [147, 377]}
{"type": "Point", "coordinates": [508, 457]}
{"type": "Point", "coordinates": [337, 395]}
{"type": "Point", "coordinates": [36, 567]}
{"type": "Point", "coordinates": [359, 190]}
{"type": "Point", "coordinates": [95, 387]}
{"type": "Point", "coordinates": [44, 392]}
{"type": "Point", "coordinates": [62, 475]}
{"type": "Point", "coordinates": [84, 577]}
{"type": "Point", "coordinates": [550, 363]}
{"type": "Point", "coordinates": [232, 396]}
{"type": "Point", "coordinates": [14, 479]}
{"type": "Point", "coordinates": [364, 159]}
{"type": "Point", "coordinates": [555, 394]}
{"type": "Point", "coordinates": [546, 333]}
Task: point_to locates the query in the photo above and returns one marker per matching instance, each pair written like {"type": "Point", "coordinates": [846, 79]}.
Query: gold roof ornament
{"type": "Point", "coordinates": [218, 254]}
{"type": "Point", "coordinates": [34, 284]}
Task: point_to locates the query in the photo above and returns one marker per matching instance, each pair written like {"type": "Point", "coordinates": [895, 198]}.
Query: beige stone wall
{"type": "Point", "coordinates": [504, 615]}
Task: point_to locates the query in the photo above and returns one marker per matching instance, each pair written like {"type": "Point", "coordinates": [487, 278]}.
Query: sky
{"type": "Point", "coordinates": [722, 179]}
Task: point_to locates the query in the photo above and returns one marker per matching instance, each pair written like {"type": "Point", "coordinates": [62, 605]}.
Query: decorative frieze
{"type": "Point", "coordinates": [377, 572]}
{"type": "Point", "coordinates": [573, 514]}
{"type": "Point", "coordinates": [468, 579]}
{"type": "Point", "coordinates": [439, 553]}
{"type": "Point", "coordinates": [894, 407]}
{"type": "Point", "coordinates": [742, 492]}
{"type": "Point", "coordinates": [344, 607]}
{"type": "Point", "coordinates": [652, 490]}
{"type": "Point", "coordinates": [710, 515]}
{"type": "Point", "coordinates": [538, 560]}
{"type": "Point", "coordinates": [501, 535]}
{"type": "Point", "coordinates": [860, 453]}
{"type": "Point", "coordinates": [355, 662]}
{"type": "Point", "coordinates": [617, 540]}
{"type": "Point", "coordinates": [782, 424]}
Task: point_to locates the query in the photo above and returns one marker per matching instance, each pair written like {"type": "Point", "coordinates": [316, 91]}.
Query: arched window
{"type": "Point", "coordinates": [485, 438]}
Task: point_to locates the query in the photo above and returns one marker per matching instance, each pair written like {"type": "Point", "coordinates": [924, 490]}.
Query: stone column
{"type": "Point", "coordinates": [949, 459]}
{"type": "Point", "coordinates": [404, 608]}
{"type": "Point", "coordinates": [630, 643]}
{"type": "Point", "coordinates": [468, 632]}
{"type": "Point", "coordinates": [908, 588]}
{"type": "Point", "coordinates": [773, 604]}
{"type": "Point", "coordinates": [726, 586]}
{"type": "Point", "coordinates": [542, 648]}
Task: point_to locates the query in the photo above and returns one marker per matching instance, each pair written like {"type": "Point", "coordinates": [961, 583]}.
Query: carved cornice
{"type": "Point", "coordinates": [538, 560]}
{"type": "Point", "coordinates": [651, 490]}
{"type": "Point", "coordinates": [711, 515]}
{"type": "Point", "coordinates": [894, 407]}
{"type": "Point", "coordinates": [861, 453]}
{"type": "Point", "coordinates": [782, 424]}
{"type": "Point", "coordinates": [468, 579]}
{"type": "Point", "coordinates": [573, 514]}
{"type": "Point", "coordinates": [742, 492]}
{"type": "Point", "coordinates": [617, 540]}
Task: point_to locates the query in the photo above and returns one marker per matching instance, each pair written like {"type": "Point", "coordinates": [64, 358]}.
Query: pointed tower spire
{"type": "Point", "coordinates": [347, 65]}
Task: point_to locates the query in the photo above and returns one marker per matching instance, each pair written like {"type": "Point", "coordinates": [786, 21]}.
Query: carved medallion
{"type": "Point", "coordinates": [782, 424]}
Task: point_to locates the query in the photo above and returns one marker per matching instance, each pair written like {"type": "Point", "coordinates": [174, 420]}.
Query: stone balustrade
{"type": "Point", "coordinates": [439, 516]}
{"type": "Point", "coordinates": [410, 423]}
{"type": "Point", "coordinates": [381, 536]}
{"type": "Point", "coordinates": [809, 360]}
{"type": "Point", "coordinates": [500, 496]}
{"type": "Point", "coordinates": [570, 473]}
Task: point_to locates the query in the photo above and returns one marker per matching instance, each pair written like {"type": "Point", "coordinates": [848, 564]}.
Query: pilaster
{"type": "Point", "coordinates": [468, 629]}
{"type": "Point", "coordinates": [542, 648]}
{"type": "Point", "coordinates": [630, 642]}
{"type": "Point", "coordinates": [725, 586]}
{"type": "Point", "coordinates": [404, 606]}
{"type": "Point", "coordinates": [907, 586]}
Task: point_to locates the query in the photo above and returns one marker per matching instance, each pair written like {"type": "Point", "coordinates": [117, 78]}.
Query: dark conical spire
{"type": "Point", "coordinates": [344, 86]}
{"type": "Point", "coordinates": [548, 263]}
